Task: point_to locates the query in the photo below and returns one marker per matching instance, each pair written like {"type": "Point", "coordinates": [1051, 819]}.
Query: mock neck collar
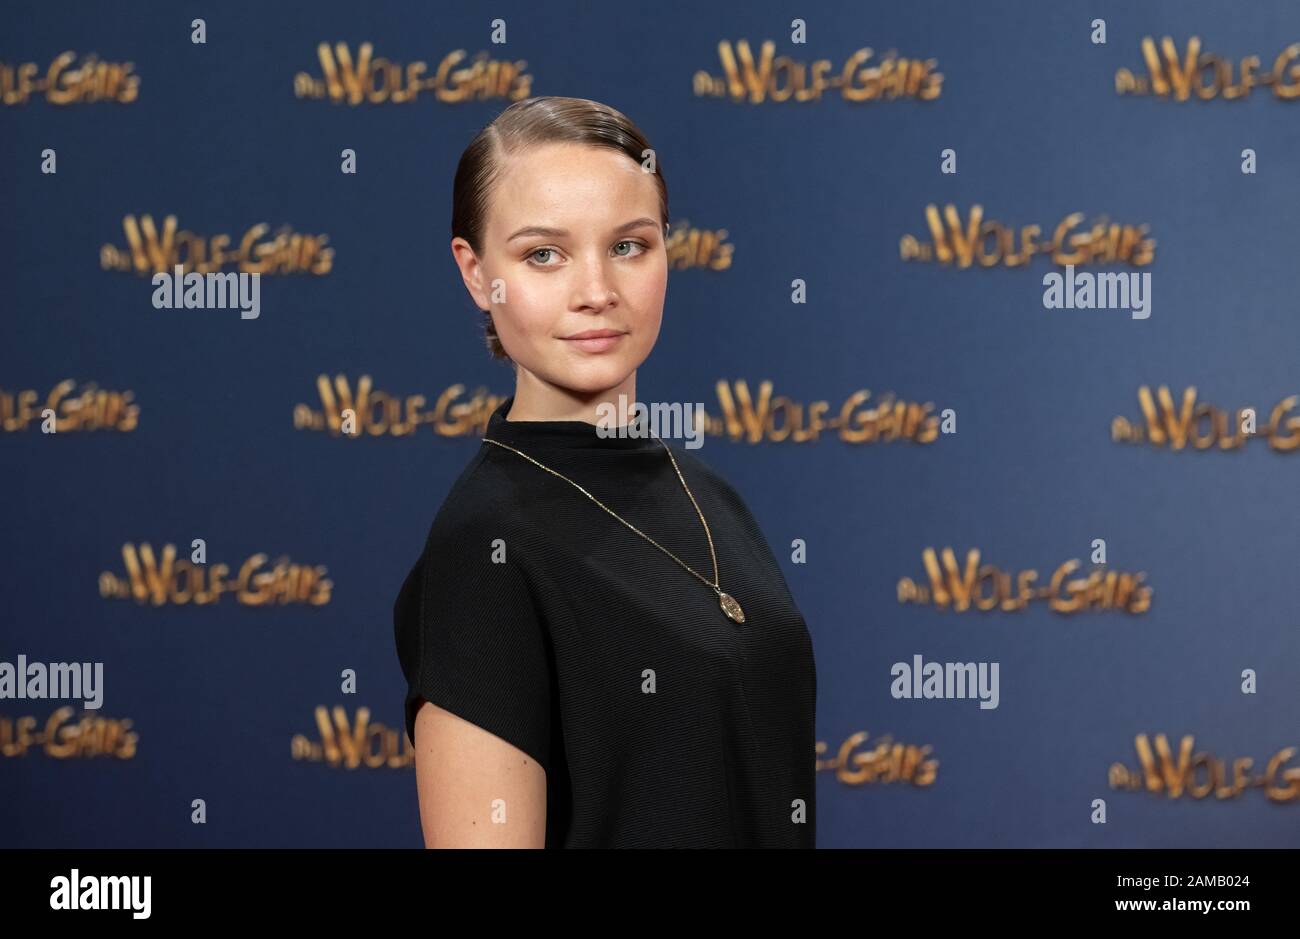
{"type": "Point", "coordinates": [571, 435]}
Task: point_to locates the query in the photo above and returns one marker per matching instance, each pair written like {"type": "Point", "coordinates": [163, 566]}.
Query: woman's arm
{"type": "Point", "coordinates": [475, 790]}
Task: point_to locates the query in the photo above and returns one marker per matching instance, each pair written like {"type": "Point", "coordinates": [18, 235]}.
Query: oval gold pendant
{"type": "Point", "coordinates": [731, 607]}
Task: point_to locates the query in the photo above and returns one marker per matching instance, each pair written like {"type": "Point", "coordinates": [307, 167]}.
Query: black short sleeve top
{"type": "Point", "coordinates": [538, 616]}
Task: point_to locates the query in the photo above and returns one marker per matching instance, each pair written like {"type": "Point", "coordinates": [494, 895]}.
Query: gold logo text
{"type": "Point", "coordinates": [990, 243]}
{"type": "Point", "coordinates": [1204, 426]}
{"type": "Point", "coordinates": [985, 587]}
{"type": "Point", "coordinates": [349, 745]}
{"type": "Point", "coordinates": [884, 762]}
{"type": "Point", "coordinates": [1200, 774]}
{"type": "Point", "coordinates": [1208, 76]}
{"type": "Point", "coordinates": [60, 738]}
{"type": "Point", "coordinates": [782, 78]}
{"type": "Point", "coordinates": [178, 581]}
{"type": "Point", "coordinates": [91, 409]}
{"type": "Point", "coordinates": [149, 252]}
{"type": "Point", "coordinates": [374, 79]}
{"type": "Point", "coordinates": [93, 80]}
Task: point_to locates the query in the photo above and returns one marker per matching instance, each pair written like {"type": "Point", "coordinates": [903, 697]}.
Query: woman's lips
{"type": "Point", "coordinates": [597, 344]}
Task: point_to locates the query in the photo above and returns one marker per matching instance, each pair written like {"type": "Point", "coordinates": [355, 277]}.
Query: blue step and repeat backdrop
{"type": "Point", "coordinates": [914, 256]}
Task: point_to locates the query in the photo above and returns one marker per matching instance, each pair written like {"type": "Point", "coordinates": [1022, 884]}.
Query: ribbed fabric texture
{"type": "Point", "coordinates": [659, 721]}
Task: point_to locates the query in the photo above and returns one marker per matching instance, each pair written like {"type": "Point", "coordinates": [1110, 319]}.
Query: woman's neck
{"type": "Point", "coordinates": [537, 400]}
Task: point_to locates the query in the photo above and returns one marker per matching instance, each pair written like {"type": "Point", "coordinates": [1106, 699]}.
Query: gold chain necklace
{"type": "Point", "coordinates": [729, 605]}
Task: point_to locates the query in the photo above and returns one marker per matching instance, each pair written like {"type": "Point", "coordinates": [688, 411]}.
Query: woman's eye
{"type": "Point", "coordinates": [545, 253]}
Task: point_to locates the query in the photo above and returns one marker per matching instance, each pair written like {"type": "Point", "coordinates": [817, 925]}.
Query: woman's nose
{"type": "Point", "coordinates": [595, 284]}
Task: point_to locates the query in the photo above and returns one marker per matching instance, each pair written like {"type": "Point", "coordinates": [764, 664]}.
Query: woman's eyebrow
{"type": "Point", "coordinates": [544, 232]}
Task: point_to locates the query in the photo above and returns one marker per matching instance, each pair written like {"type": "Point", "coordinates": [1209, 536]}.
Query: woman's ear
{"type": "Point", "coordinates": [471, 272]}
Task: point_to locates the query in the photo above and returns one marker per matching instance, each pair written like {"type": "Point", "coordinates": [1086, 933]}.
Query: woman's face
{"type": "Point", "coordinates": [573, 243]}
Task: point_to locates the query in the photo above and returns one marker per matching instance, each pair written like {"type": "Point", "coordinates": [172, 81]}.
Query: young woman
{"type": "Point", "coordinates": [599, 646]}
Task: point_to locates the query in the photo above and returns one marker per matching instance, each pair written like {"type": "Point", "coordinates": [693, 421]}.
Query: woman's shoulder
{"type": "Point", "coordinates": [480, 506]}
{"type": "Point", "coordinates": [483, 499]}
{"type": "Point", "coordinates": [700, 475]}
{"type": "Point", "coordinates": [695, 468]}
